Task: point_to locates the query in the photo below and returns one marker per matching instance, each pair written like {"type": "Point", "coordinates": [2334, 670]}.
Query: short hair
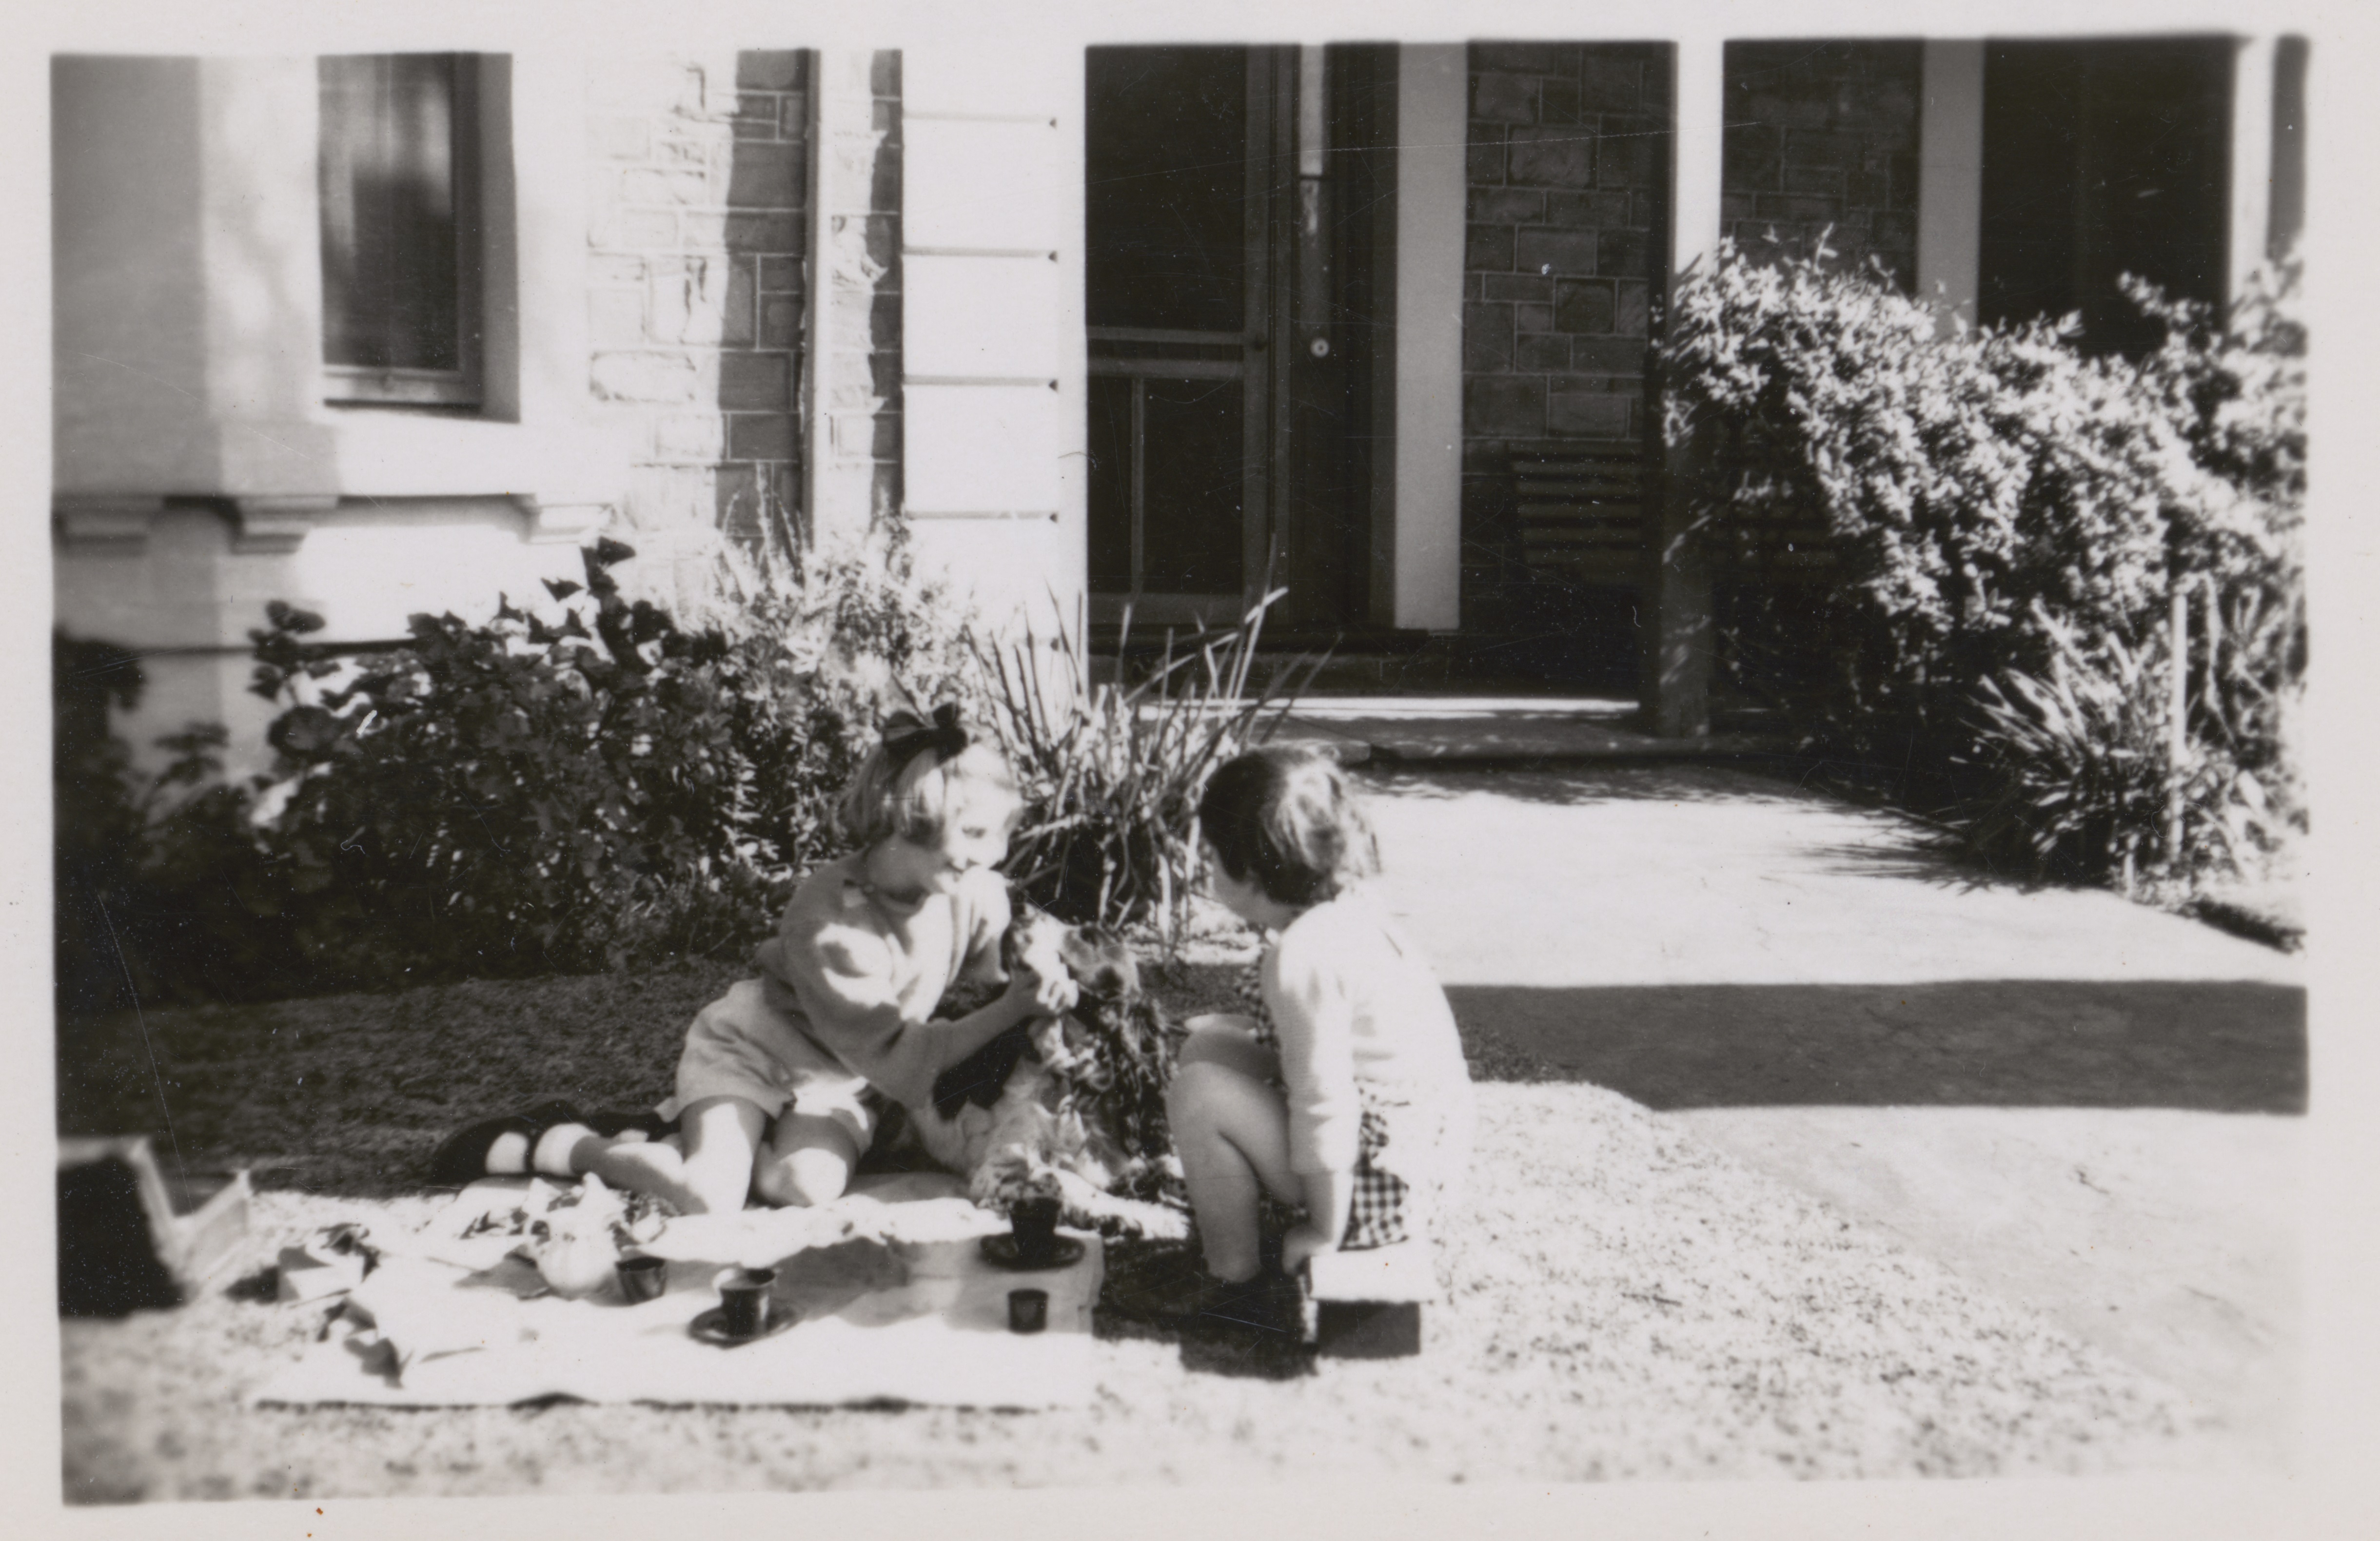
{"type": "Point", "coordinates": [912, 795]}
{"type": "Point", "coordinates": [1288, 819]}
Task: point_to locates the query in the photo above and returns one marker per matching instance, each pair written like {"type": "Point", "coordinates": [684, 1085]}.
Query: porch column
{"type": "Point", "coordinates": [1677, 612]}
{"type": "Point", "coordinates": [1433, 126]}
{"type": "Point", "coordinates": [1950, 180]}
{"type": "Point", "coordinates": [2252, 158]}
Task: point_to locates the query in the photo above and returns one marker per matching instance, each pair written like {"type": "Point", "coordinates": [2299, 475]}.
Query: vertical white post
{"type": "Point", "coordinates": [1679, 623]}
{"type": "Point", "coordinates": [1950, 179]}
{"type": "Point", "coordinates": [1433, 124]}
{"type": "Point", "coordinates": [2177, 724]}
{"type": "Point", "coordinates": [2252, 158]}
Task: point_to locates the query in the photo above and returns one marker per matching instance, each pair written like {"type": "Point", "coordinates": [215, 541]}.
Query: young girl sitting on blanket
{"type": "Point", "coordinates": [782, 1078]}
{"type": "Point", "coordinates": [1352, 1100]}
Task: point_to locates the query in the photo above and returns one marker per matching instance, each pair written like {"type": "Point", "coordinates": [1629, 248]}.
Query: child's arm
{"type": "Point", "coordinates": [1315, 1016]}
{"type": "Point", "coordinates": [842, 978]}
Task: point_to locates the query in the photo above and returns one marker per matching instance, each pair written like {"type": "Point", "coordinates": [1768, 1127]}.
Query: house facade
{"type": "Point", "coordinates": [1124, 330]}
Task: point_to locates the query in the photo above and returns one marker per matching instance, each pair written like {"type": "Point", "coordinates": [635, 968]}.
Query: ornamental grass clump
{"type": "Point", "coordinates": [2011, 521]}
{"type": "Point", "coordinates": [1112, 772]}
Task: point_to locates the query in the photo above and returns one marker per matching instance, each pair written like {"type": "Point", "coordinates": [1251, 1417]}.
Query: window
{"type": "Point", "coordinates": [401, 229]}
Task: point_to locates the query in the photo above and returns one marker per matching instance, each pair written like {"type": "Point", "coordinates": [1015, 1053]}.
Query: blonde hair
{"type": "Point", "coordinates": [1288, 819]}
{"type": "Point", "coordinates": [912, 783]}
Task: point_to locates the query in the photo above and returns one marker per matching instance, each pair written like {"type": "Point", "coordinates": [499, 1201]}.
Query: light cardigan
{"type": "Point", "coordinates": [862, 973]}
{"type": "Point", "coordinates": [1352, 1001]}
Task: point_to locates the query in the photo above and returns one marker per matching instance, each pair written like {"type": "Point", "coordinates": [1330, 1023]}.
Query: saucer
{"type": "Point", "coordinates": [1000, 1252]}
{"type": "Point", "coordinates": [705, 1327]}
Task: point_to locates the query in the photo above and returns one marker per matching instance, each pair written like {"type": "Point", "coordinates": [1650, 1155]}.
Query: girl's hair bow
{"type": "Point", "coordinates": [905, 736]}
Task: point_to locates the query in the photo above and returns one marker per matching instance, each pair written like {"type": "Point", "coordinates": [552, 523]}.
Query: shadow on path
{"type": "Point", "coordinates": [2207, 1047]}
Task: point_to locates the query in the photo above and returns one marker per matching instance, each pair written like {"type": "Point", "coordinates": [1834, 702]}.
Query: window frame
{"type": "Point", "coordinates": [463, 388]}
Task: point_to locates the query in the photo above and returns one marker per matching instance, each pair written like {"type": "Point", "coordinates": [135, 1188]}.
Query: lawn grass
{"type": "Point", "coordinates": [347, 1093]}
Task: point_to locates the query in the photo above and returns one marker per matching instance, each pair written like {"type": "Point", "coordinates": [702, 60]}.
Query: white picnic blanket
{"type": "Point", "coordinates": [894, 1298]}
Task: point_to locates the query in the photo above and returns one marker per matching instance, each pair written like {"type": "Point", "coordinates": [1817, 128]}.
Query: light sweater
{"type": "Point", "coordinates": [864, 972]}
{"type": "Point", "coordinates": [1353, 1000]}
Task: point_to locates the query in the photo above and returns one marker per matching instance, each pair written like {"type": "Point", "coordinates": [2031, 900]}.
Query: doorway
{"type": "Point", "coordinates": [1179, 166]}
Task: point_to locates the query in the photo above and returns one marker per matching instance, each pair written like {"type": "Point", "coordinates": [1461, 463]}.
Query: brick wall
{"type": "Point", "coordinates": [1824, 134]}
{"type": "Point", "coordinates": [697, 235]}
{"type": "Point", "coordinates": [1565, 196]}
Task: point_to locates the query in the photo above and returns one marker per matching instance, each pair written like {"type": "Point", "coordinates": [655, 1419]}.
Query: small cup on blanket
{"type": "Point", "coordinates": [643, 1279]}
{"type": "Point", "coordinates": [744, 1301]}
{"type": "Point", "coordinates": [1028, 1310]}
{"type": "Point", "coordinates": [1034, 1222]}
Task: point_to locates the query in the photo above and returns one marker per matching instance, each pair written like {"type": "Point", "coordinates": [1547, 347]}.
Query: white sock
{"type": "Point", "coordinates": [552, 1155]}
{"type": "Point", "coordinates": [509, 1156]}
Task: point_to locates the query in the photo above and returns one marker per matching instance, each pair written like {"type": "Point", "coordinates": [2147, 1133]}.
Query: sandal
{"type": "Point", "coordinates": [461, 1159]}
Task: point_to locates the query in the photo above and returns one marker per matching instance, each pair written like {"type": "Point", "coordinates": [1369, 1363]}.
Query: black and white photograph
{"type": "Point", "coordinates": [1294, 764]}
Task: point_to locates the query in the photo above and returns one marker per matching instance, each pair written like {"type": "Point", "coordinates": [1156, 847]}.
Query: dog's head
{"type": "Point", "coordinates": [1102, 967]}
{"type": "Point", "coordinates": [1114, 1053]}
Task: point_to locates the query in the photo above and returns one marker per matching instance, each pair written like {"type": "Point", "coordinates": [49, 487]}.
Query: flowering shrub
{"type": "Point", "coordinates": [2011, 518]}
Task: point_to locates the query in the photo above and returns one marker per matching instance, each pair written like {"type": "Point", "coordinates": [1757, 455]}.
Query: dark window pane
{"type": "Point", "coordinates": [1165, 139]}
{"type": "Point", "coordinates": [390, 282]}
{"type": "Point", "coordinates": [1192, 488]}
{"type": "Point", "coordinates": [1111, 490]}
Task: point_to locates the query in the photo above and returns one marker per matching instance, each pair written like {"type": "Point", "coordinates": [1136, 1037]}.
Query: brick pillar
{"type": "Point", "coordinates": [851, 397]}
{"type": "Point", "coordinates": [1678, 620]}
{"type": "Point", "coordinates": [695, 236]}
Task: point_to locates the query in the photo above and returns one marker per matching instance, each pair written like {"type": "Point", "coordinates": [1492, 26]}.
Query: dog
{"type": "Point", "coordinates": [1074, 1103]}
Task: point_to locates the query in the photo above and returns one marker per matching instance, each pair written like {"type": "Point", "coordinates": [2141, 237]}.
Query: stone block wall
{"type": "Point", "coordinates": [1820, 135]}
{"type": "Point", "coordinates": [696, 233]}
{"type": "Point", "coordinates": [1566, 198]}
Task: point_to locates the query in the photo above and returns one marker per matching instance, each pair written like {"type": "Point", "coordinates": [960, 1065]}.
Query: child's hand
{"type": "Point", "coordinates": [1301, 1242]}
{"type": "Point", "coordinates": [1031, 995]}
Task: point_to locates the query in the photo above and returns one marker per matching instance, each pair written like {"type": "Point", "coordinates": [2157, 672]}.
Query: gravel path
{"type": "Point", "coordinates": [1626, 1303]}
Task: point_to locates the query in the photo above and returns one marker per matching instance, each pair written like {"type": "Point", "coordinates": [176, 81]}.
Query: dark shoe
{"type": "Point", "coordinates": [1177, 1287]}
{"type": "Point", "coordinates": [462, 1157]}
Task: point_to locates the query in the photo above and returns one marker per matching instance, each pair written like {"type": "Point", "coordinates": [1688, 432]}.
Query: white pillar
{"type": "Point", "coordinates": [1950, 179]}
{"type": "Point", "coordinates": [1433, 125]}
{"type": "Point", "coordinates": [2252, 158]}
{"type": "Point", "coordinates": [1679, 620]}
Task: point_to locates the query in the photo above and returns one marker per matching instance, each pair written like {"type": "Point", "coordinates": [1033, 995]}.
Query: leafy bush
{"type": "Point", "coordinates": [2011, 518]}
{"type": "Point", "coordinates": [589, 785]}
{"type": "Point", "coordinates": [829, 640]}
{"type": "Point", "coordinates": [519, 796]}
{"type": "Point", "coordinates": [162, 891]}
{"type": "Point", "coordinates": [1112, 773]}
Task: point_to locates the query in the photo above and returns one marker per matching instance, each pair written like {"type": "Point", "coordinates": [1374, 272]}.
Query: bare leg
{"type": "Point", "coordinates": [1223, 1039]}
{"type": "Point", "coordinates": [1233, 1133]}
{"type": "Point", "coordinates": [807, 1160]}
{"type": "Point", "coordinates": [707, 1168]}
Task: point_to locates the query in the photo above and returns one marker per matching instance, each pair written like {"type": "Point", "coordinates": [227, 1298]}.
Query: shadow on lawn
{"type": "Point", "coordinates": [2232, 1047]}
